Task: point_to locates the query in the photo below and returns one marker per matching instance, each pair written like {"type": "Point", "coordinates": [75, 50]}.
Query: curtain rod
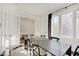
{"type": "Point", "coordinates": [64, 7]}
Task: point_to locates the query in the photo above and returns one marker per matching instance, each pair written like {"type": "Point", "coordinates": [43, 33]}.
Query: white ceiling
{"type": "Point", "coordinates": [33, 10]}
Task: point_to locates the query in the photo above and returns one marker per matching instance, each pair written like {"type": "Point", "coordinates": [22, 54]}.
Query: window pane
{"type": "Point", "coordinates": [77, 24]}
{"type": "Point", "coordinates": [66, 24]}
{"type": "Point", "coordinates": [55, 26]}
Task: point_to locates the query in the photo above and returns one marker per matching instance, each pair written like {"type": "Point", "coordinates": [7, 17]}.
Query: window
{"type": "Point", "coordinates": [55, 26]}
{"type": "Point", "coordinates": [61, 25]}
{"type": "Point", "coordinates": [67, 25]}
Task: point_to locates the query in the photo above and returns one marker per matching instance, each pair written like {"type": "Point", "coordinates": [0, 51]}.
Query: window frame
{"type": "Point", "coordinates": [59, 14]}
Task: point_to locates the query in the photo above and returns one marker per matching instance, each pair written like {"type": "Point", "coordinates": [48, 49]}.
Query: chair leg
{"type": "Point", "coordinates": [39, 50]}
{"type": "Point", "coordinates": [69, 51]}
{"type": "Point", "coordinates": [9, 52]}
{"type": "Point", "coordinates": [30, 51]}
{"type": "Point", "coordinates": [75, 51]}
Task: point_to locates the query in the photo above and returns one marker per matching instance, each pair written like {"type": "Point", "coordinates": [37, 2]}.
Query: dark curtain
{"type": "Point", "coordinates": [49, 25]}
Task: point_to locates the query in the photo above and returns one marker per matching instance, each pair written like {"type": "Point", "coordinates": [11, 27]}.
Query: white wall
{"type": "Point", "coordinates": [41, 26]}
{"type": "Point", "coordinates": [27, 26]}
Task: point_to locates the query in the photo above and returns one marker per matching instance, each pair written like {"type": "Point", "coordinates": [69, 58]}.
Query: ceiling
{"type": "Point", "coordinates": [33, 10]}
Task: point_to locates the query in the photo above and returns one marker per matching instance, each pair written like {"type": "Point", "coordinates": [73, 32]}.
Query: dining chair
{"type": "Point", "coordinates": [26, 41]}
{"type": "Point", "coordinates": [43, 36]}
{"type": "Point", "coordinates": [76, 53]}
{"type": "Point", "coordinates": [31, 44]}
{"type": "Point", "coordinates": [55, 38]}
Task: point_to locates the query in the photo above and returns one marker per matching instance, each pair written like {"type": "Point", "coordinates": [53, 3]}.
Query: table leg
{"type": "Point", "coordinates": [69, 51]}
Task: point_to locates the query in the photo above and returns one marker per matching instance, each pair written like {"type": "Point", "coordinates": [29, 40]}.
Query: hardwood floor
{"type": "Point", "coordinates": [18, 51]}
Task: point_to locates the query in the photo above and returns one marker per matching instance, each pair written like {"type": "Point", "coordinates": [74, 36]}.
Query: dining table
{"type": "Point", "coordinates": [52, 46]}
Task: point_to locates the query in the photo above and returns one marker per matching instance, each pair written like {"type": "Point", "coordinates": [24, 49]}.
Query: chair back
{"type": "Point", "coordinates": [31, 36]}
{"type": "Point", "coordinates": [25, 37]}
{"type": "Point", "coordinates": [43, 36]}
{"type": "Point", "coordinates": [55, 38]}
